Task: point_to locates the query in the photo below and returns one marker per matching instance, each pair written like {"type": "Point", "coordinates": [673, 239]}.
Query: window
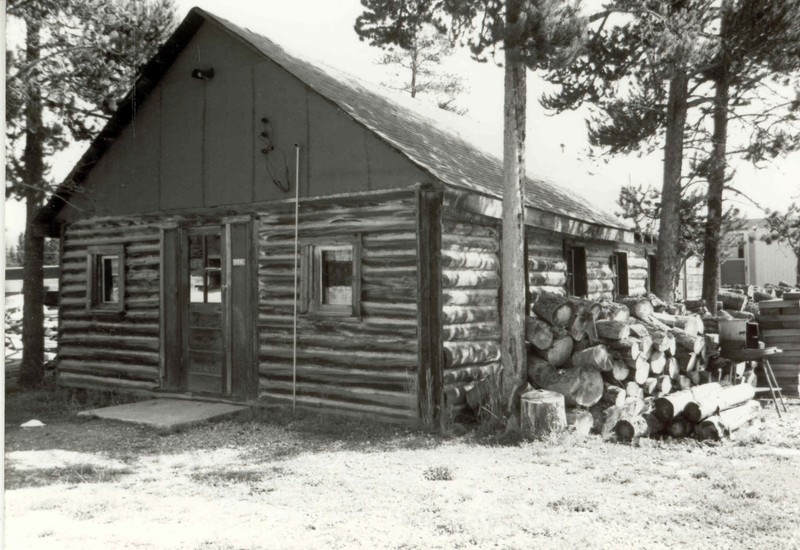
{"type": "Point", "coordinates": [205, 269]}
{"type": "Point", "coordinates": [651, 273]}
{"type": "Point", "coordinates": [332, 284]}
{"type": "Point", "coordinates": [619, 266]}
{"type": "Point", "coordinates": [577, 283]}
{"type": "Point", "coordinates": [106, 278]}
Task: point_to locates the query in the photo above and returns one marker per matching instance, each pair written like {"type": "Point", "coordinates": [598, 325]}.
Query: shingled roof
{"type": "Point", "coordinates": [448, 156]}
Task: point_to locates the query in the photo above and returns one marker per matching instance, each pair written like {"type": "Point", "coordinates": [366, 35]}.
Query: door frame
{"type": "Point", "coordinates": [239, 305]}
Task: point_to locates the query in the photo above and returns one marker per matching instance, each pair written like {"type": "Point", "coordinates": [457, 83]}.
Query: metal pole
{"type": "Point", "coordinates": [296, 247]}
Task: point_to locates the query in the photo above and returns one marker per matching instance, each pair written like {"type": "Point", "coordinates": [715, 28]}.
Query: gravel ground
{"type": "Point", "coordinates": [313, 482]}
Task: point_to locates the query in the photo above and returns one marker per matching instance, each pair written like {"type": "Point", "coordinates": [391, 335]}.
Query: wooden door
{"type": "Point", "coordinates": [204, 346]}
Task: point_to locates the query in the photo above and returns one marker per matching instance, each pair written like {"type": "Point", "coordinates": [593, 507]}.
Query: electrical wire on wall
{"type": "Point", "coordinates": [268, 147]}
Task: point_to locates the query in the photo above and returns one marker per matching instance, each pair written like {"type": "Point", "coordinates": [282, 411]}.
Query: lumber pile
{"type": "Point", "coordinates": [779, 325]}
{"type": "Point", "coordinates": [615, 359]}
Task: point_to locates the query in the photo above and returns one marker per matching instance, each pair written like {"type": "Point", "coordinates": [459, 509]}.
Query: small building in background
{"type": "Point", "coordinates": [754, 262]}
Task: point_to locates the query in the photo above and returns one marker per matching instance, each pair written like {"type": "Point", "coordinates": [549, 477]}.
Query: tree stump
{"type": "Point", "coordinates": [542, 413]}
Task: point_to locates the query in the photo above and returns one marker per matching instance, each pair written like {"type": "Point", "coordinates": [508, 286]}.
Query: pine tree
{"type": "Point", "coordinates": [420, 69]}
{"type": "Point", "coordinates": [534, 34]}
{"type": "Point", "coordinates": [734, 62]}
{"type": "Point", "coordinates": [642, 205]}
{"type": "Point", "coordinates": [635, 72]}
{"type": "Point", "coordinates": [756, 53]}
{"type": "Point", "coordinates": [73, 62]}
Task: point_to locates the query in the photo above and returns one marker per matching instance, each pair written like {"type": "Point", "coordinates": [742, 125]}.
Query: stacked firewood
{"type": "Point", "coordinates": [613, 360]}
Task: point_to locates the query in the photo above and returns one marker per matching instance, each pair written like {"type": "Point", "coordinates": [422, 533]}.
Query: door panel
{"type": "Point", "coordinates": [205, 360]}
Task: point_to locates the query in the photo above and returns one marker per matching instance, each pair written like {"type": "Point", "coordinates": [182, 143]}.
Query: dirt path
{"type": "Point", "coordinates": [311, 483]}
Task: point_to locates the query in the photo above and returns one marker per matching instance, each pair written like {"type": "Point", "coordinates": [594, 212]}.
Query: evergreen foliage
{"type": "Point", "coordinates": [534, 34]}
{"type": "Point", "coordinates": [74, 60]}
{"type": "Point", "coordinates": [420, 66]}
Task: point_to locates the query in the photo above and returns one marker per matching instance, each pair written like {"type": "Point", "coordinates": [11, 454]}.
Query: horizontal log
{"type": "Point", "coordinates": [452, 259]}
{"type": "Point", "coordinates": [635, 274]}
{"type": "Point", "coordinates": [637, 262]}
{"type": "Point", "coordinates": [470, 279]}
{"type": "Point", "coordinates": [335, 340]}
{"type": "Point", "coordinates": [612, 330]}
{"type": "Point", "coordinates": [646, 425]}
{"type": "Point", "coordinates": [346, 375]}
{"type": "Point", "coordinates": [547, 278]}
{"type": "Point", "coordinates": [546, 265]}
{"type": "Point", "coordinates": [331, 406]}
{"type": "Point", "coordinates": [121, 355]}
{"type": "Point", "coordinates": [117, 341]}
{"type": "Point", "coordinates": [470, 373]}
{"type": "Point", "coordinates": [352, 394]}
{"type": "Point", "coordinates": [478, 244]}
{"type": "Point", "coordinates": [351, 357]}
{"type": "Point", "coordinates": [470, 297]}
{"type": "Point", "coordinates": [458, 354]}
{"type": "Point", "coordinates": [103, 383]}
{"type": "Point", "coordinates": [471, 331]}
{"type": "Point", "coordinates": [537, 291]}
{"type": "Point", "coordinates": [345, 326]}
{"type": "Point", "coordinates": [459, 314]}
{"type": "Point", "coordinates": [600, 274]}
{"type": "Point", "coordinates": [110, 327]}
{"type": "Point", "coordinates": [110, 369]}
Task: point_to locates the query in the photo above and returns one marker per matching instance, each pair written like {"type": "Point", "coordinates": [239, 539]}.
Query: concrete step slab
{"type": "Point", "coordinates": [167, 415]}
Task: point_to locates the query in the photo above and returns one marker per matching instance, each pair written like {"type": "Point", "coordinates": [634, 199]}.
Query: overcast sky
{"type": "Point", "coordinates": [323, 29]}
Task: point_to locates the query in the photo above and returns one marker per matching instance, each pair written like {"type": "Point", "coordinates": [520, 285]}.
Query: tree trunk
{"type": "Point", "coordinates": [716, 185]}
{"type": "Point", "coordinates": [31, 372]}
{"type": "Point", "coordinates": [513, 247]}
{"type": "Point", "coordinates": [667, 256]}
{"type": "Point", "coordinates": [542, 413]}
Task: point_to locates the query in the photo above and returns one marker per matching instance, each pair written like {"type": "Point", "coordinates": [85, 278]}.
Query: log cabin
{"type": "Point", "coordinates": [187, 262]}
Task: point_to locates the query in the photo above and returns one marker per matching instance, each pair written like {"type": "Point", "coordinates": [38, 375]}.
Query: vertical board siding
{"type": "Point", "coordinates": [470, 302]}
{"type": "Point", "coordinates": [363, 365]}
{"type": "Point", "coordinates": [110, 350]}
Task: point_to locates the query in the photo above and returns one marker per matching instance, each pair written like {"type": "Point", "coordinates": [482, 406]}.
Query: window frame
{"type": "Point", "coordinates": [311, 283]}
{"type": "Point", "coordinates": [572, 278]}
{"type": "Point", "coordinates": [94, 278]}
{"type": "Point", "coordinates": [651, 271]}
{"type": "Point", "coordinates": [204, 233]}
{"type": "Point", "coordinates": [620, 270]}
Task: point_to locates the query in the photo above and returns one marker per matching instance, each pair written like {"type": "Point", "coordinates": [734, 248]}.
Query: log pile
{"type": "Point", "coordinates": [616, 360]}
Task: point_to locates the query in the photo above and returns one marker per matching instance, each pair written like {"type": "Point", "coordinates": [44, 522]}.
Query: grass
{"type": "Point", "coordinates": [310, 481]}
{"type": "Point", "coordinates": [67, 475]}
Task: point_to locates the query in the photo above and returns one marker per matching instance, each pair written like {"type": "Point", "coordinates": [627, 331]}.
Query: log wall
{"type": "Point", "coordinates": [361, 366]}
{"type": "Point", "coordinates": [470, 302]}
{"type": "Point", "coordinates": [110, 350]}
{"type": "Point", "coordinates": [547, 270]}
